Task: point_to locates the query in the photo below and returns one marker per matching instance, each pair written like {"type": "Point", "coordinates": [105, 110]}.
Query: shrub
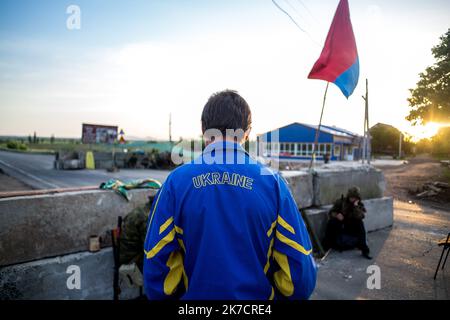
{"type": "Point", "coordinates": [16, 145]}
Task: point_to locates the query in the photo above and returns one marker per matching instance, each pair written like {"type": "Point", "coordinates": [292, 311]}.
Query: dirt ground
{"type": "Point", "coordinates": [8, 183]}
{"type": "Point", "coordinates": [405, 181]}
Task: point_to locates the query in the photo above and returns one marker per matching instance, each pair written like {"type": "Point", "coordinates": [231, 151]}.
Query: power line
{"type": "Point", "coordinates": [295, 22]}
{"type": "Point", "coordinates": [290, 17]}
{"type": "Point", "coordinates": [309, 11]}
{"type": "Point", "coordinates": [293, 8]}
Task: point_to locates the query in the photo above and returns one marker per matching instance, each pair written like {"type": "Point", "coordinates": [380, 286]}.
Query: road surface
{"type": "Point", "coordinates": [36, 170]}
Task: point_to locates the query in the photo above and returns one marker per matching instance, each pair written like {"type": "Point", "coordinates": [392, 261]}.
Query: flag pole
{"type": "Point", "coordinates": [364, 149]}
{"type": "Point", "coordinates": [316, 138]}
{"type": "Point", "coordinates": [369, 148]}
{"type": "Point", "coordinates": [366, 139]}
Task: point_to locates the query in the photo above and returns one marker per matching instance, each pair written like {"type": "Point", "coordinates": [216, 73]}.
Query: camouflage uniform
{"type": "Point", "coordinates": [350, 232]}
{"type": "Point", "coordinates": [134, 229]}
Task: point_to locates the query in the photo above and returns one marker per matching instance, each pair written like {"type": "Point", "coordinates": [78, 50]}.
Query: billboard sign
{"type": "Point", "coordinates": [94, 133]}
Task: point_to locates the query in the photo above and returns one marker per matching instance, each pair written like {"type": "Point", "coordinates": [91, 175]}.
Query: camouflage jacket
{"type": "Point", "coordinates": [344, 206]}
{"type": "Point", "coordinates": [134, 228]}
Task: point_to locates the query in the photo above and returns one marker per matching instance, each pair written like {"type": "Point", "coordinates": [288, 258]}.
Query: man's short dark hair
{"type": "Point", "coordinates": [226, 110]}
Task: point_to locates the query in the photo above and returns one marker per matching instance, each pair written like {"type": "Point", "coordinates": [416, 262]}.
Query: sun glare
{"type": "Point", "coordinates": [425, 131]}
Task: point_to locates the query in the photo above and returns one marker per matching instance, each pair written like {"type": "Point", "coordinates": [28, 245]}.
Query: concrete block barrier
{"type": "Point", "coordinates": [380, 214]}
{"type": "Point", "coordinates": [331, 183]}
{"type": "Point", "coordinates": [36, 227]}
{"type": "Point", "coordinates": [301, 186]}
{"type": "Point", "coordinates": [48, 278]}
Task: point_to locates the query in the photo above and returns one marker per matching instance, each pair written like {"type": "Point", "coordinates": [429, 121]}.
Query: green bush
{"type": "Point", "coordinates": [441, 142]}
{"type": "Point", "coordinates": [16, 145]}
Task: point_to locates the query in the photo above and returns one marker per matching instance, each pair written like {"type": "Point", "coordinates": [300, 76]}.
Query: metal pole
{"type": "Point", "coordinates": [367, 146]}
{"type": "Point", "coordinates": [366, 129]}
{"type": "Point", "coordinates": [365, 133]}
{"type": "Point", "coordinates": [400, 145]}
{"type": "Point", "coordinates": [316, 138]}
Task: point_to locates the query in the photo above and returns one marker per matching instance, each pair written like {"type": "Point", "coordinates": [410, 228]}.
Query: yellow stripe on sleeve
{"type": "Point", "coordinates": [161, 244]}
{"type": "Point", "coordinates": [165, 225]}
{"type": "Point", "coordinates": [272, 295]}
{"type": "Point", "coordinates": [272, 226]}
{"type": "Point", "coordinates": [178, 230]}
{"type": "Point", "coordinates": [285, 225]}
{"type": "Point", "coordinates": [173, 278]}
{"type": "Point", "coordinates": [282, 277]}
{"type": "Point", "coordinates": [180, 241]}
{"type": "Point", "coordinates": [269, 254]}
{"type": "Point", "coordinates": [292, 243]}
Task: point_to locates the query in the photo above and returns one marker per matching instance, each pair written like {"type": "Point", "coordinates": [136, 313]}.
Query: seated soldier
{"type": "Point", "coordinates": [345, 228]}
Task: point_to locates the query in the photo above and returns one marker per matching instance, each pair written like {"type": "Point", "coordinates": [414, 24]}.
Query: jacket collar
{"type": "Point", "coordinates": [223, 145]}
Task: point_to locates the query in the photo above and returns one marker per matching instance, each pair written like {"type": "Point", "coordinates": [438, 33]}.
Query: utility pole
{"type": "Point", "coordinates": [400, 138]}
{"type": "Point", "coordinates": [170, 127]}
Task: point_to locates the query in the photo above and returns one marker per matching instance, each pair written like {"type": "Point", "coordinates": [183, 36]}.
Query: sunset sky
{"type": "Point", "coordinates": [134, 62]}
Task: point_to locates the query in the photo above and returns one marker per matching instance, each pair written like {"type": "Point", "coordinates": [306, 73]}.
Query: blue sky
{"type": "Point", "coordinates": [133, 62]}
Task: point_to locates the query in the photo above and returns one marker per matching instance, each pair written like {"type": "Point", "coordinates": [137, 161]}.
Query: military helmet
{"type": "Point", "coordinates": [354, 192]}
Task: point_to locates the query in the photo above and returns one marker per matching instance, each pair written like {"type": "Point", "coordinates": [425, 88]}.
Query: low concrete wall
{"type": "Point", "coordinates": [380, 214]}
{"type": "Point", "coordinates": [301, 185]}
{"type": "Point", "coordinates": [36, 227]}
{"type": "Point", "coordinates": [47, 278]}
{"type": "Point", "coordinates": [331, 183]}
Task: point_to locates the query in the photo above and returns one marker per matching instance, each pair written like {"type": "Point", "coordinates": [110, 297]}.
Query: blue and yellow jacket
{"type": "Point", "coordinates": [226, 227]}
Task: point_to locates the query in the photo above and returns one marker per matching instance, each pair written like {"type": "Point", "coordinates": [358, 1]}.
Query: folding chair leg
{"type": "Point", "coordinates": [445, 260]}
{"type": "Point", "coordinates": [440, 259]}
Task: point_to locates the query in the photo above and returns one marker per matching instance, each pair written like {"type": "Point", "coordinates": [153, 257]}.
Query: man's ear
{"type": "Point", "coordinates": [247, 134]}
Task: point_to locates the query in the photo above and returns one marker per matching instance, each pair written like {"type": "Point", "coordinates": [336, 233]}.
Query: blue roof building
{"type": "Point", "coordinates": [296, 140]}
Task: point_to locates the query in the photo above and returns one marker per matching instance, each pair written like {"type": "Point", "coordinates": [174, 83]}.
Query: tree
{"type": "Point", "coordinates": [441, 142]}
{"type": "Point", "coordinates": [385, 140]}
{"type": "Point", "coordinates": [430, 100]}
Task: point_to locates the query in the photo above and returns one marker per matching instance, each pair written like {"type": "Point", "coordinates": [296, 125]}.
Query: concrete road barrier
{"type": "Point", "coordinates": [36, 227]}
{"type": "Point", "coordinates": [48, 278]}
{"type": "Point", "coordinates": [301, 185]}
{"type": "Point", "coordinates": [330, 184]}
{"type": "Point", "coordinates": [380, 214]}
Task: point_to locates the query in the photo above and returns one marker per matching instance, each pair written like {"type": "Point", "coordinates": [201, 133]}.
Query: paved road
{"type": "Point", "coordinates": [37, 171]}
